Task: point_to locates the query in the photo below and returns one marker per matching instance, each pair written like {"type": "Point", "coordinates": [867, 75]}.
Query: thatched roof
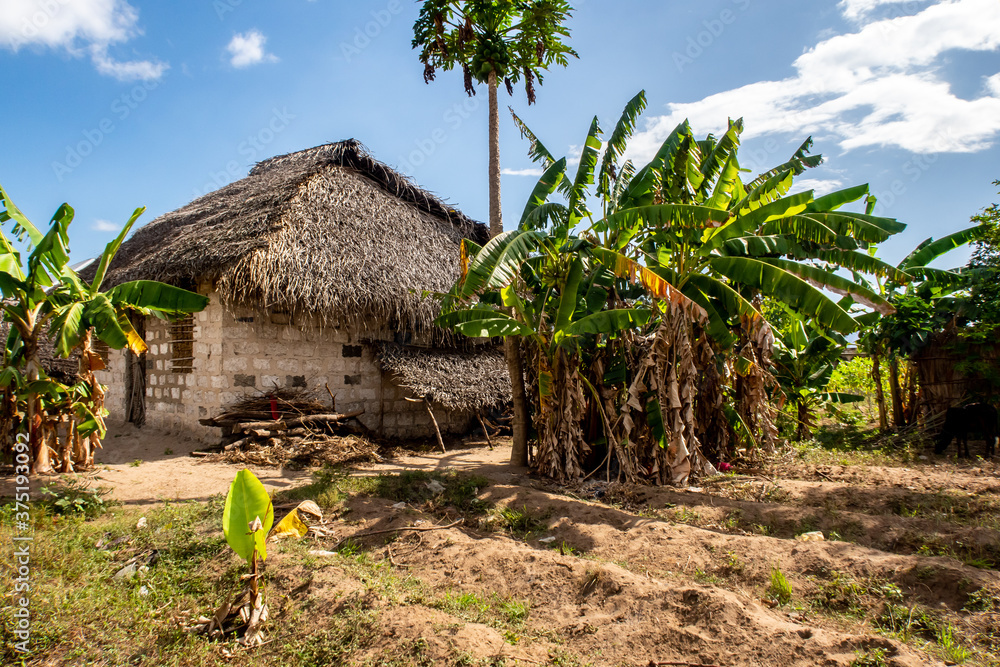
{"type": "Point", "coordinates": [328, 231]}
{"type": "Point", "coordinates": [454, 379]}
{"type": "Point", "coordinates": [56, 367]}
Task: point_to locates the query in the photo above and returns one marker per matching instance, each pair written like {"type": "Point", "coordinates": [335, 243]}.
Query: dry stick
{"type": "Point", "coordinates": [395, 530]}
{"type": "Point", "coordinates": [333, 399]}
{"type": "Point", "coordinates": [653, 663]}
{"type": "Point", "coordinates": [485, 430]}
{"type": "Point", "coordinates": [437, 431]}
{"type": "Point", "coordinates": [282, 424]}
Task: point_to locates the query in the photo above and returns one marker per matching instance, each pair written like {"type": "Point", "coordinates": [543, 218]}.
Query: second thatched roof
{"type": "Point", "coordinates": [329, 232]}
{"type": "Point", "coordinates": [457, 380]}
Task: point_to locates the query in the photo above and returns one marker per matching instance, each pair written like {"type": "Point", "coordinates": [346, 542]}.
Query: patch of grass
{"type": "Point", "coordinates": [418, 487]}
{"type": "Point", "coordinates": [136, 463]}
{"type": "Point", "coordinates": [505, 614]}
{"type": "Point", "coordinates": [779, 590]}
{"type": "Point", "coordinates": [733, 563]}
{"type": "Point", "coordinates": [73, 496]}
{"type": "Point", "coordinates": [330, 487]}
{"type": "Point", "coordinates": [907, 622]}
{"type": "Point", "coordinates": [560, 658]}
{"type": "Point", "coordinates": [345, 633]}
{"type": "Point", "coordinates": [983, 599]}
{"type": "Point", "coordinates": [842, 593]}
{"type": "Point", "coordinates": [706, 578]}
{"type": "Point", "coordinates": [75, 592]}
{"type": "Point", "coordinates": [877, 657]}
{"type": "Point", "coordinates": [982, 556]}
{"type": "Point", "coordinates": [953, 651]}
{"type": "Point", "coordinates": [686, 515]}
{"type": "Point", "coordinates": [519, 522]}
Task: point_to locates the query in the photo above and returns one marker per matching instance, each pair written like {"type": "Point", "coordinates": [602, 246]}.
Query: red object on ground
{"type": "Point", "coordinates": [274, 409]}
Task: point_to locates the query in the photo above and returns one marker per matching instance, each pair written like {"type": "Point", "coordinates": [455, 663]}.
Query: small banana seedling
{"type": "Point", "coordinates": [246, 522]}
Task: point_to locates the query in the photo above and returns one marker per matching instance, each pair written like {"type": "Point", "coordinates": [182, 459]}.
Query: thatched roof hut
{"type": "Point", "coordinates": [260, 241]}
{"type": "Point", "coordinates": [313, 261]}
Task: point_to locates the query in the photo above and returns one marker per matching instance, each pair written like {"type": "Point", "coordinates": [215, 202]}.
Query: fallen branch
{"type": "Point", "coordinates": [653, 663]}
{"type": "Point", "coordinates": [395, 530]}
{"type": "Point", "coordinates": [285, 424]}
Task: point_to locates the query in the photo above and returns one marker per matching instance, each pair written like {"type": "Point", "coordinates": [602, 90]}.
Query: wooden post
{"type": "Point", "coordinates": [437, 430]}
{"type": "Point", "coordinates": [485, 430]}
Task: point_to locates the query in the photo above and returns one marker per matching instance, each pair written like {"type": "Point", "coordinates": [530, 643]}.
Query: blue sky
{"type": "Point", "coordinates": [114, 104]}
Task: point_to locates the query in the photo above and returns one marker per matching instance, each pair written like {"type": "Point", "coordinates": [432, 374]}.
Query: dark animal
{"type": "Point", "coordinates": [959, 422]}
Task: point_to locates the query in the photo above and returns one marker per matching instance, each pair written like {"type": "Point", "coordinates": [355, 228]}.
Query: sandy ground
{"type": "Point", "coordinates": [635, 574]}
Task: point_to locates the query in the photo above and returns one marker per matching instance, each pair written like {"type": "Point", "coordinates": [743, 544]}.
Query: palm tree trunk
{"type": "Point", "coordinates": [896, 392]}
{"type": "Point", "coordinates": [883, 419]}
{"type": "Point", "coordinates": [496, 215]}
{"type": "Point", "coordinates": [512, 351]}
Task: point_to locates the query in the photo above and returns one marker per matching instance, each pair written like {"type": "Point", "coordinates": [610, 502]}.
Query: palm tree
{"type": "Point", "coordinates": [45, 293]}
{"type": "Point", "coordinates": [492, 41]}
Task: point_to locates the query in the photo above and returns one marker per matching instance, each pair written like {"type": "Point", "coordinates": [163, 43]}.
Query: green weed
{"type": "Point", "coordinates": [873, 658]}
{"type": "Point", "coordinates": [779, 590]}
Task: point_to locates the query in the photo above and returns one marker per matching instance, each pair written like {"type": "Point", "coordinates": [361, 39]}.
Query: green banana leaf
{"type": "Point", "coordinates": [167, 299]}
{"type": "Point", "coordinates": [247, 501]}
{"type": "Point", "coordinates": [787, 287]}
{"type": "Point", "coordinates": [546, 185]}
{"type": "Point", "coordinates": [929, 250]}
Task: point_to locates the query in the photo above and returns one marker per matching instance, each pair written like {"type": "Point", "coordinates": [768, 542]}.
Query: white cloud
{"type": "Point", "coordinates": [106, 226]}
{"type": "Point", "coordinates": [247, 49]}
{"type": "Point", "coordinates": [530, 171]}
{"type": "Point", "coordinates": [819, 186]}
{"type": "Point", "coordinates": [879, 86]}
{"type": "Point", "coordinates": [858, 9]}
{"type": "Point", "coordinates": [79, 27]}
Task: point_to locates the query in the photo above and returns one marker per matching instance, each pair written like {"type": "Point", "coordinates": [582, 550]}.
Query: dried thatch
{"type": "Point", "coordinates": [454, 379]}
{"type": "Point", "coordinates": [328, 231]}
{"type": "Point", "coordinates": [56, 367]}
{"type": "Point", "coordinates": [944, 375]}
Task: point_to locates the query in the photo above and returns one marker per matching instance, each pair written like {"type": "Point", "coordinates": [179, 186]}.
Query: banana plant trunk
{"type": "Point", "coordinates": [804, 417]}
{"type": "Point", "coordinates": [512, 350]}
{"type": "Point", "coordinates": [89, 362]}
{"type": "Point", "coordinates": [898, 418]}
{"type": "Point", "coordinates": [41, 463]}
{"type": "Point", "coordinates": [883, 419]}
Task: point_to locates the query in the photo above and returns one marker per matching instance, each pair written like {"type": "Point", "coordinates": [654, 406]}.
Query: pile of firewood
{"type": "Point", "coordinates": [281, 417]}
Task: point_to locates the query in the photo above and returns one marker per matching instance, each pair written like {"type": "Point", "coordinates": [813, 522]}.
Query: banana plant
{"type": "Point", "coordinates": [246, 522]}
{"type": "Point", "coordinates": [677, 256]}
{"type": "Point", "coordinates": [805, 358]}
{"type": "Point", "coordinates": [42, 292]}
{"type": "Point", "coordinates": [718, 242]}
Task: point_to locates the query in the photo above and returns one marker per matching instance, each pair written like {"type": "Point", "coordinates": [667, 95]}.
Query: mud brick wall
{"type": "Point", "coordinates": [243, 353]}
